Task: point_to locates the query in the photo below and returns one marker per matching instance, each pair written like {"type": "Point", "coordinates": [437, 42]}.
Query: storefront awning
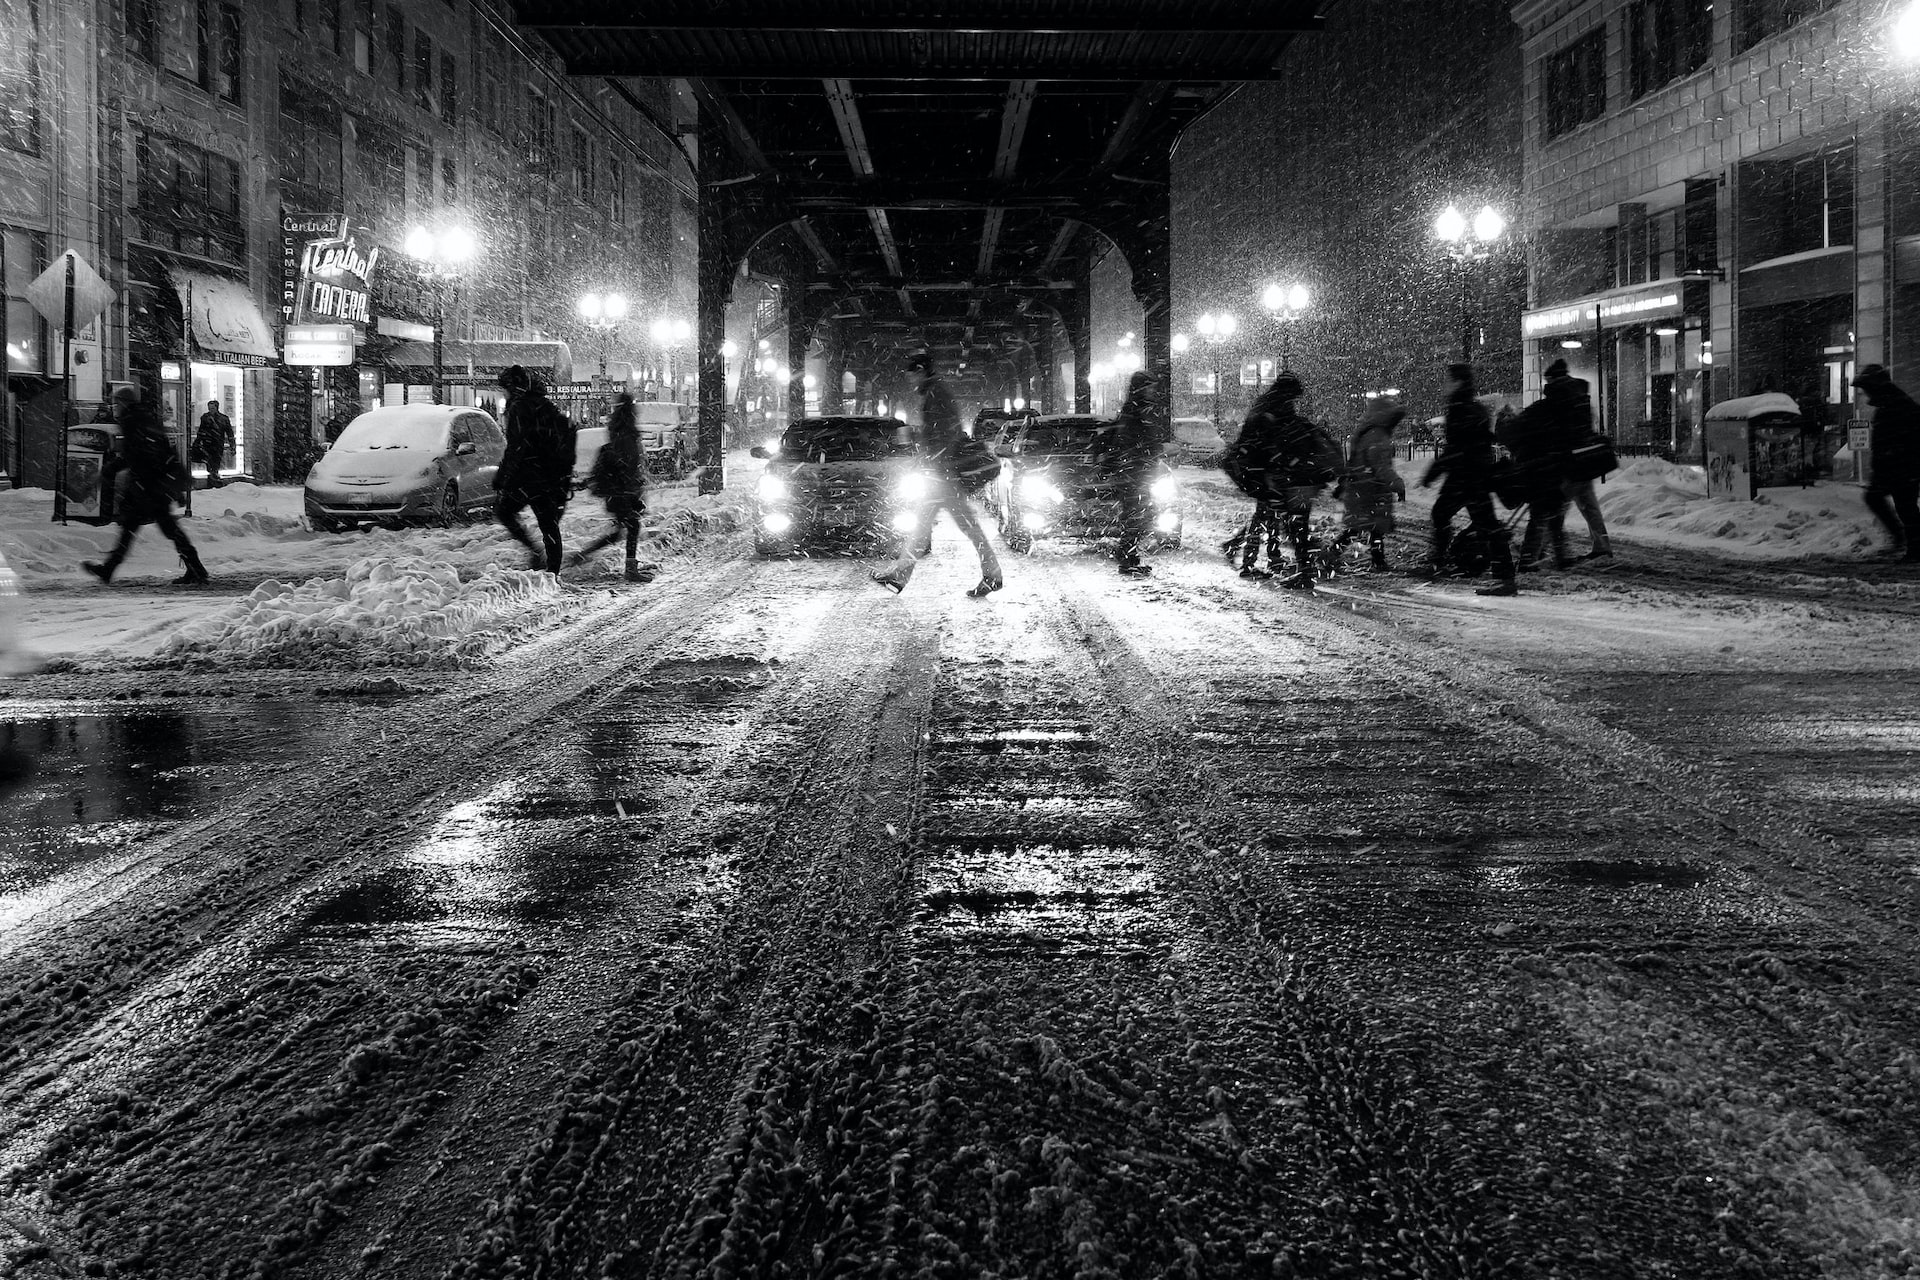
{"type": "Point", "coordinates": [1659, 300]}
{"type": "Point", "coordinates": [224, 324]}
{"type": "Point", "coordinates": [551, 360]}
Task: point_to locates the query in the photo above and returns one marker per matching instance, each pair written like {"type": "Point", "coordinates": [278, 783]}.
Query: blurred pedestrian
{"type": "Point", "coordinates": [1893, 492]}
{"type": "Point", "coordinates": [212, 441]}
{"type": "Point", "coordinates": [536, 471]}
{"type": "Point", "coordinates": [1127, 453]}
{"type": "Point", "coordinates": [1371, 485]}
{"type": "Point", "coordinates": [941, 441]}
{"type": "Point", "coordinates": [619, 478]}
{"type": "Point", "coordinates": [150, 480]}
{"type": "Point", "coordinates": [1538, 443]}
{"type": "Point", "coordinates": [1573, 401]}
{"type": "Point", "coordinates": [1465, 467]}
{"type": "Point", "coordinates": [1299, 459]}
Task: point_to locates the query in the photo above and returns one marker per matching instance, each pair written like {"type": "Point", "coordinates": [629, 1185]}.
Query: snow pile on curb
{"type": "Point", "coordinates": [407, 611]}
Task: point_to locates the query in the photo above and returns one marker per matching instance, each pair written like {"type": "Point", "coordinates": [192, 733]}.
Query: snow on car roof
{"type": "Point", "coordinates": [410, 414]}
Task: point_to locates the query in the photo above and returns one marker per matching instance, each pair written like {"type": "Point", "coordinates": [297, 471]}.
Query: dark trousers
{"type": "Point", "coordinates": [161, 518]}
{"type": "Point", "coordinates": [1546, 523]}
{"type": "Point", "coordinates": [546, 513]}
{"type": "Point", "coordinates": [626, 520]}
{"type": "Point", "coordinates": [1477, 502]}
{"type": "Point", "coordinates": [1136, 518]}
{"type": "Point", "coordinates": [1896, 505]}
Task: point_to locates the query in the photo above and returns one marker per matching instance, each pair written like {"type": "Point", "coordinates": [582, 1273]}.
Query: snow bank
{"type": "Point", "coordinates": [406, 611]}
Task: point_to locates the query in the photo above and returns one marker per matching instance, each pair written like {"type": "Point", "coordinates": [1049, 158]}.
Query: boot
{"type": "Point", "coordinates": [104, 572]}
{"type": "Point", "coordinates": [1505, 588]}
{"type": "Point", "coordinates": [635, 573]}
{"type": "Point", "coordinates": [1377, 554]}
{"type": "Point", "coordinates": [196, 573]}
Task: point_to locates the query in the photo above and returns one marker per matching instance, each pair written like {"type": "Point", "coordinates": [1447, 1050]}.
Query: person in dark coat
{"type": "Point", "coordinates": [1465, 467]}
{"type": "Point", "coordinates": [152, 480]}
{"type": "Point", "coordinates": [1538, 441]}
{"type": "Point", "coordinates": [619, 478]}
{"type": "Point", "coordinates": [940, 436]}
{"type": "Point", "coordinates": [1371, 484]}
{"type": "Point", "coordinates": [1128, 452]}
{"type": "Point", "coordinates": [1287, 458]}
{"type": "Point", "coordinates": [212, 441]}
{"type": "Point", "coordinates": [1893, 492]}
{"type": "Point", "coordinates": [537, 468]}
{"type": "Point", "coordinates": [1574, 398]}
{"type": "Point", "coordinates": [1245, 460]}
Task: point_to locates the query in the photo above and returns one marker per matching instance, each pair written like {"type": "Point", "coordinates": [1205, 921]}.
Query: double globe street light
{"type": "Point", "coordinates": [1215, 331]}
{"type": "Point", "coordinates": [1468, 243]}
{"type": "Point", "coordinates": [668, 333]}
{"type": "Point", "coordinates": [603, 312]}
{"type": "Point", "coordinates": [443, 255]}
{"type": "Point", "coordinates": [1286, 304]}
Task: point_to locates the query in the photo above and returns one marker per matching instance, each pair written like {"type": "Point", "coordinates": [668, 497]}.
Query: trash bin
{"type": "Point", "coordinates": [89, 487]}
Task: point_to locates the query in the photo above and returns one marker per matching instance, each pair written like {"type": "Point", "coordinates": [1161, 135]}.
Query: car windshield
{"type": "Point", "coordinates": [843, 441]}
{"type": "Point", "coordinates": [1062, 437]}
{"type": "Point", "coordinates": [394, 431]}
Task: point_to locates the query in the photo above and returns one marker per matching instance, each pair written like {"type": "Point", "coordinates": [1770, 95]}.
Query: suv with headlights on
{"type": "Point", "coordinates": [845, 483]}
{"type": "Point", "coordinates": [1052, 484]}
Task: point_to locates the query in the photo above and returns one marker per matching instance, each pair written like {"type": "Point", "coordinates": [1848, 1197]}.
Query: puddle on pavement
{"type": "Point", "coordinates": [107, 778]}
{"type": "Point", "coordinates": [1006, 896]}
{"type": "Point", "coordinates": [1029, 738]}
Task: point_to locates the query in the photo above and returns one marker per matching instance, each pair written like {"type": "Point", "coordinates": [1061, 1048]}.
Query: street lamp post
{"type": "Point", "coordinates": [443, 255]}
{"type": "Point", "coordinates": [1467, 244]}
{"type": "Point", "coordinates": [603, 312]}
{"type": "Point", "coordinates": [668, 333]}
{"type": "Point", "coordinates": [1216, 331]}
{"type": "Point", "coordinates": [1286, 304]}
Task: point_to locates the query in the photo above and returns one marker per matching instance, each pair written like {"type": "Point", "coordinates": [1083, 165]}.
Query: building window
{"type": "Point", "coordinates": [616, 191]}
{"type": "Point", "coordinates": [450, 181]}
{"type": "Point", "coordinates": [423, 176]}
{"type": "Point", "coordinates": [188, 199]}
{"type": "Point", "coordinates": [20, 76]}
{"type": "Point", "coordinates": [1666, 39]}
{"type": "Point", "coordinates": [539, 125]}
{"type": "Point", "coordinates": [25, 256]}
{"type": "Point", "coordinates": [422, 69]}
{"type": "Point", "coordinates": [449, 91]}
{"type": "Point", "coordinates": [363, 35]}
{"type": "Point", "coordinates": [197, 40]}
{"type": "Point", "coordinates": [320, 21]}
{"type": "Point", "coordinates": [1700, 228]}
{"type": "Point", "coordinates": [583, 166]}
{"type": "Point", "coordinates": [382, 162]}
{"type": "Point", "coordinates": [1575, 85]}
{"type": "Point", "coordinates": [310, 138]}
{"type": "Point", "coordinates": [397, 47]}
{"type": "Point", "coordinates": [1757, 20]}
{"type": "Point", "coordinates": [1817, 206]}
{"type": "Point", "coordinates": [230, 68]}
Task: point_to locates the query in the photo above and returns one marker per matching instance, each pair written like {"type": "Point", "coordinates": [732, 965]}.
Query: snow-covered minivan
{"type": "Point", "coordinates": [414, 463]}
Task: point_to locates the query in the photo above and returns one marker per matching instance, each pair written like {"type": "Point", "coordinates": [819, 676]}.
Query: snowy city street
{"type": "Point", "coordinates": [982, 640]}
{"type": "Point", "coordinates": [762, 921]}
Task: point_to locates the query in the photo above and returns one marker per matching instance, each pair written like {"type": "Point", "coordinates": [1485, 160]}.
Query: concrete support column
{"type": "Point", "coordinates": [1723, 296]}
{"type": "Point", "coordinates": [1043, 390]}
{"type": "Point", "coordinates": [716, 269]}
{"type": "Point", "coordinates": [1079, 319]}
{"type": "Point", "coordinates": [799, 338]}
{"type": "Point", "coordinates": [1872, 259]}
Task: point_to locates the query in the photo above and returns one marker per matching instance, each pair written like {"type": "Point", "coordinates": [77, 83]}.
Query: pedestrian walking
{"type": "Point", "coordinates": [1893, 491]}
{"type": "Point", "coordinates": [212, 441]}
{"type": "Point", "coordinates": [941, 438]}
{"type": "Point", "coordinates": [1464, 466]}
{"type": "Point", "coordinates": [536, 471]}
{"type": "Point", "coordinates": [619, 478]}
{"type": "Point", "coordinates": [1537, 440]}
{"type": "Point", "coordinates": [1298, 459]}
{"type": "Point", "coordinates": [151, 479]}
{"type": "Point", "coordinates": [1127, 452]}
{"type": "Point", "coordinates": [1371, 484]}
{"type": "Point", "coordinates": [1574, 401]}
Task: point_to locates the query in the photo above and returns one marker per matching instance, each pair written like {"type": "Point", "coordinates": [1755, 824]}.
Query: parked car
{"type": "Point", "coordinates": [989, 423]}
{"type": "Point", "coordinates": [666, 432]}
{"type": "Point", "coordinates": [415, 463]}
{"type": "Point", "coordinates": [1052, 485]}
{"type": "Point", "coordinates": [850, 483]}
{"type": "Point", "coordinates": [13, 659]}
{"type": "Point", "coordinates": [1195, 440]}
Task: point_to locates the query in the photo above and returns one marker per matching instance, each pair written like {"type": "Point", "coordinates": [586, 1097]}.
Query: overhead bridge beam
{"type": "Point", "coordinates": [646, 61]}
{"type": "Point", "coordinates": [1264, 19]}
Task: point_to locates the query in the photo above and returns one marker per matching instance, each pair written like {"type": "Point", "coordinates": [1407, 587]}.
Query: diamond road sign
{"type": "Point", "coordinates": [48, 292]}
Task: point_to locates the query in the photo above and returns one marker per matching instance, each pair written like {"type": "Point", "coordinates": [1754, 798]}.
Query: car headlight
{"type": "Point", "coordinates": [772, 488]}
{"type": "Point", "coordinates": [1166, 522]}
{"type": "Point", "coordinates": [912, 487]}
{"type": "Point", "coordinates": [1165, 490]}
{"type": "Point", "coordinates": [777, 522]}
{"type": "Point", "coordinates": [1038, 490]}
{"type": "Point", "coordinates": [905, 522]}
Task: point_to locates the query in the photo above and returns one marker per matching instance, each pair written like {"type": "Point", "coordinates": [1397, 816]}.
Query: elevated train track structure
{"type": "Point", "coordinates": [931, 175]}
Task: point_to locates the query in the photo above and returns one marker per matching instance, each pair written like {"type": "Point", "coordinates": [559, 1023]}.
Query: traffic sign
{"type": "Point", "coordinates": [48, 292]}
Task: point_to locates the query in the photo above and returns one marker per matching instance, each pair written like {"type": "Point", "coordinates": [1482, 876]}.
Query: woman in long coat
{"type": "Point", "coordinates": [1371, 485]}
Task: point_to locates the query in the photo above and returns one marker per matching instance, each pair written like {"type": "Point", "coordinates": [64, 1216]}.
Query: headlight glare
{"type": "Point", "coordinates": [1039, 490]}
{"type": "Point", "coordinates": [905, 522]}
{"type": "Point", "coordinates": [772, 488]}
{"type": "Point", "coordinates": [912, 487]}
{"type": "Point", "coordinates": [1166, 521]}
{"type": "Point", "coordinates": [1165, 490]}
{"type": "Point", "coordinates": [777, 522]}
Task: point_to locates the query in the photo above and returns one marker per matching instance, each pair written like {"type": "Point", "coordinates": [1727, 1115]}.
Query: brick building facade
{"type": "Point", "coordinates": [1721, 199]}
{"type": "Point", "coordinates": [194, 151]}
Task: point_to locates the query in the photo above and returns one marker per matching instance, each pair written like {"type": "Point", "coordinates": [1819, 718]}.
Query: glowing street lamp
{"type": "Point", "coordinates": [1906, 33]}
{"type": "Point", "coordinates": [603, 312]}
{"type": "Point", "coordinates": [1217, 330]}
{"type": "Point", "coordinates": [1467, 243]}
{"type": "Point", "coordinates": [442, 255]}
{"type": "Point", "coordinates": [1286, 304]}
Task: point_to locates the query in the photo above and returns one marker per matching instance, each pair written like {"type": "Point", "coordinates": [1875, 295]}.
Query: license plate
{"type": "Point", "coordinates": [360, 499]}
{"type": "Point", "coordinates": [839, 517]}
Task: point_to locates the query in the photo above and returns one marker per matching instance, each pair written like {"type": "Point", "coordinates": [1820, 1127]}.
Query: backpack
{"type": "Point", "coordinates": [1309, 454]}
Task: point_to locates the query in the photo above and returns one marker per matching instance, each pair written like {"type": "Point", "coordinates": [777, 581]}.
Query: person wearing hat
{"type": "Point", "coordinates": [619, 478]}
{"type": "Point", "coordinates": [1465, 467]}
{"type": "Point", "coordinates": [212, 441]}
{"type": "Point", "coordinates": [1538, 441]}
{"type": "Point", "coordinates": [1127, 453]}
{"type": "Point", "coordinates": [1574, 402]}
{"type": "Point", "coordinates": [940, 436]}
{"type": "Point", "coordinates": [154, 479]}
{"type": "Point", "coordinates": [537, 468]}
{"type": "Point", "coordinates": [1289, 459]}
{"type": "Point", "coordinates": [1893, 491]}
